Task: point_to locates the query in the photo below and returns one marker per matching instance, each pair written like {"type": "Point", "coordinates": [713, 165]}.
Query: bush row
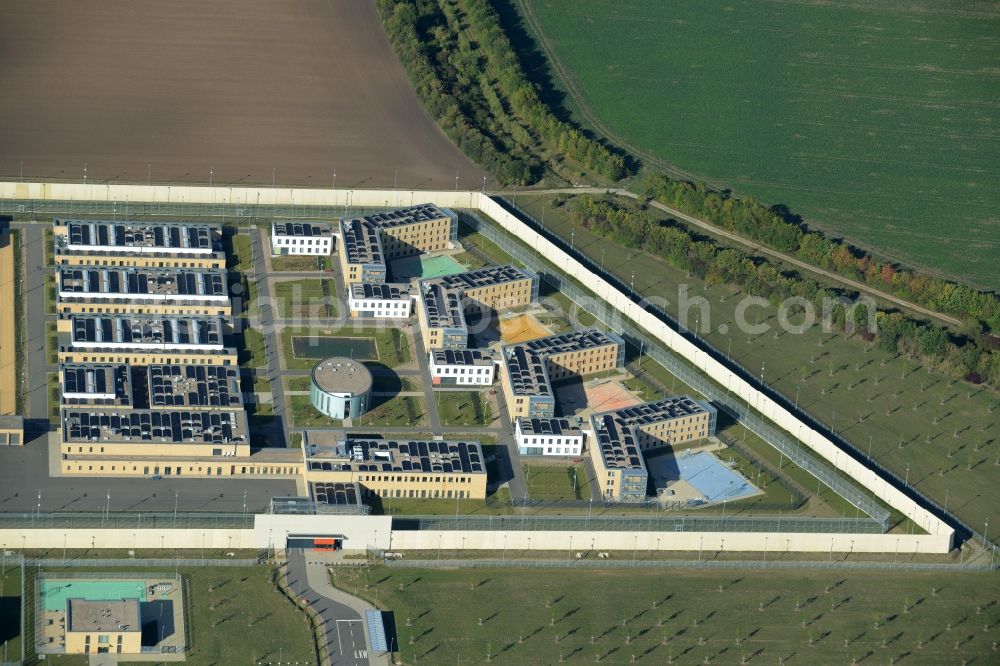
{"type": "Point", "coordinates": [964, 358]}
{"type": "Point", "coordinates": [752, 219]}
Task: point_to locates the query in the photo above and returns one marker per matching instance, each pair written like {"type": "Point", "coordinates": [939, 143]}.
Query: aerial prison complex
{"type": "Point", "coordinates": [151, 384]}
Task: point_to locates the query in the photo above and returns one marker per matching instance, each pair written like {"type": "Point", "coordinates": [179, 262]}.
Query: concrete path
{"type": "Point", "coordinates": [33, 290]}
{"type": "Point", "coordinates": [420, 355]}
{"type": "Point", "coordinates": [265, 319]}
{"type": "Point", "coordinates": [343, 615]}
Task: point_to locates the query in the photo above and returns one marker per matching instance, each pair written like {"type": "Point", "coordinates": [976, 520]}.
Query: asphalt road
{"type": "Point", "coordinates": [24, 473]}
{"type": "Point", "coordinates": [345, 629]}
{"type": "Point", "coordinates": [263, 320]}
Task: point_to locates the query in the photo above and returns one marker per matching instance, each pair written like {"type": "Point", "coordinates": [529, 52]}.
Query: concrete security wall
{"type": "Point", "coordinates": [573, 542]}
{"type": "Point", "coordinates": [360, 532]}
{"type": "Point", "coordinates": [940, 533]}
{"type": "Point", "coordinates": [29, 539]}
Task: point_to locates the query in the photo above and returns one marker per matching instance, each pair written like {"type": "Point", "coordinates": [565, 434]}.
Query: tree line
{"type": "Point", "coordinates": [752, 219]}
{"type": "Point", "coordinates": [965, 358]}
{"type": "Point", "coordinates": [467, 74]}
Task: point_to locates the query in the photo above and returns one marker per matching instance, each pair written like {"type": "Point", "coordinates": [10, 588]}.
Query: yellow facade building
{"type": "Point", "coordinates": [103, 627]}
{"type": "Point", "coordinates": [138, 244]}
{"type": "Point", "coordinates": [396, 469]}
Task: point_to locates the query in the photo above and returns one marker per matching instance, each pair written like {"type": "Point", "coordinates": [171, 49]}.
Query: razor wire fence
{"type": "Point", "coordinates": [779, 523]}
{"type": "Point", "coordinates": [646, 344]}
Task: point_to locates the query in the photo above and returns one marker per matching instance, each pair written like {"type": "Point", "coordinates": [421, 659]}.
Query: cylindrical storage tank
{"type": "Point", "coordinates": [341, 388]}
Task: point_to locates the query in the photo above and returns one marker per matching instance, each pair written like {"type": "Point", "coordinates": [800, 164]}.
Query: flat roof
{"type": "Point", "coordinates": [484, 277]}
{"type": "Point", "coordinates": [660, 410]}
{"type": "Point", "coordinates": [339, 374]}
{"type": "Point", "coordinates": [552, 426]}
{"type": "Point", "coordinates": [617, 443]}
{"type": "Point", "coordinates": [301, 228]}
{"type": "Point", "coordinates": [138, 236]}
{"type": "Point", "coordinates": [588, 338]}
{"type": "Point", "coordinates": [384, 291]}
{"type": "Point", "coordinates": [143, 426]}
{"type": "Point", "coordinates": [402, 216]}
{"type": "Point", "coordinates": [336, 493]}
{"type": "Point", "coordinates": [461, 357]}
{"type": "Point", "coordinates": [166, 283]}
{"type": "Point", "coordinates": [136, 330]}
{"type": "Point", "coordinates": [109, 615]}
{"type": "Point", "coordinates": [442, 306]}
{"type": "Point", "coordinates": [103, 384]}
{"type": "Point", "coordinates": [361, 243]}
{"type": "Point", "coordinates": [195, 386]}
{"type": "Point", "coordinates": [526, 371]}
{"type": "Point", "coordinates": [331, 451]}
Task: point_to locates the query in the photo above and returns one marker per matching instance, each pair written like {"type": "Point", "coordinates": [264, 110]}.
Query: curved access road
{"type": "Point", "coordinates": [756, 248]}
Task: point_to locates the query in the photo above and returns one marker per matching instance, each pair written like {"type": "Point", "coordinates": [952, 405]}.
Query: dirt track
{"type": "Point", "coordinates": [305, 87]}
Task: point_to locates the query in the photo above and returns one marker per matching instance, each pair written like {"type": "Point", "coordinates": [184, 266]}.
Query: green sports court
{"type": "Point", "coordinates": [423, 266]}
{"type": "Point", "coordinates": [55, 592]}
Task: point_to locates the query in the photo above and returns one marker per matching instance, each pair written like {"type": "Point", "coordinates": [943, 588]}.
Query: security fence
{"type": "Point", "coordinates": [593, 563]}
{"type": "Point", "coordinates": [130, 520]}
{"type": "Point", "coordinates": [139, 562]}
{"type": "Point", "coordinates": [644, 344]}
{"type": "Point", "coordinates": [650, 523]}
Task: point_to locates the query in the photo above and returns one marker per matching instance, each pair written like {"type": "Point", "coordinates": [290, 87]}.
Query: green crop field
{"type": "Point", "coordinates": [685, 616]}
{"type": "Point", "coordinates": [875, 121]}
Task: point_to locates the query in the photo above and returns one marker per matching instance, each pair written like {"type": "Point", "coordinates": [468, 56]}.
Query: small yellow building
{"type": "Point", "coordinates": [96, 627]}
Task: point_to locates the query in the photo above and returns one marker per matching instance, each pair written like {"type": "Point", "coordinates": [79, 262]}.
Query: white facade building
{"type": "Point", "coordinates": [381, 301]}
{"type": "Point", "coordinates": [301, 238]}
{"type": "Point", "coordinates": [548, 437]}
{"type": "Point", "coordinates": [465, 367]}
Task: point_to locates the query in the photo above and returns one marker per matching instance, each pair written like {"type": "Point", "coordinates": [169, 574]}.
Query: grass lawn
{"type": "Point", "coordinates": [242, 620]}
{"type": "Point", "coordinates": [251, 352]}
{"type": "Point", "coordinates": [10, 612]}
{"type": "Point", "coordinates": [49, 285]}
{"type": "Point", "coordinates": [239, 252]}
{"type": "Point", "coordinates": [683, 616]}
{"type": "Point", "coordinates": [55, 393]}
{"type": "Point", "coordinates": [463, 408]}
{"type": "Point", "coordinates": [306, 298]}
{"type": "Point", "coordinates": [393, 349]}
{"type": "Point", "coordinates": [940, 429]}
{"type": "Point", "coordinates": [299, 263]}
{"type": "Point", "coordinates": [48, 246]}
{"type": "Point", "coordinates": [298, 383]}
{"type": "Point", "coordinates": [556, 481]}
{"type": "Point", "coordinates": [51, 342]}
{"type": "Point", "coordinates": [399, 411]}
{"type": "Point", "coordinates": [821, 107]}
{"type": "Point", "coordinates": [304, 415]}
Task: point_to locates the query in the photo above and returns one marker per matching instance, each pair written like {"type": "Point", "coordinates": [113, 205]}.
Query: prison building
{"type": "Point", "coordinates": [618, 464]}
{"type": "Point", "coordinates": [525, 383]}
{"type": "Point", "coordinates": [110, 626]}
{"type": "Point", "coordinates": [548, 437]}
{"type": "Point", "coordinates": [670, 422]}
{"type": "Point", "coordinates": [131, 243]}
{"type": "Point", "coordinates": [361, 256]}
{"type": "Point", "coordinates": [441, 317]}
{"type": "Point", "coordinates": [414, 230]}
{"type": "Point", "coordinates": [494, 287]}
{"type": "Point", "coordinates": [396, 468]}
{"type": "Point", "coordinates": [188, 387]}
{"type": "Point", "coordinates": [379, 301]}
{"type": "Point", "coordinates": [11, 430]}
{"type": "Point", "coordinates": [461, 367]}
{"type": "Point", "coordinates": [102, 432]}
{"type": "Point", "coordinates": [336, 497]}
{"type": "Point", "coordinates": [96, 384]}
{"type": "Point", "coordinates": [531, 367]}
{"type": "Point", "coordinates": [142, 340]}
{"type": "Point", "coordinates": [293, 237]}
{"type": "Point", "coordinates": [165, 291]}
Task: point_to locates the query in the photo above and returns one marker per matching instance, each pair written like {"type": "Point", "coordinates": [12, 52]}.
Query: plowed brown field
{"type": "Point", "coordinates": [238, 87]}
